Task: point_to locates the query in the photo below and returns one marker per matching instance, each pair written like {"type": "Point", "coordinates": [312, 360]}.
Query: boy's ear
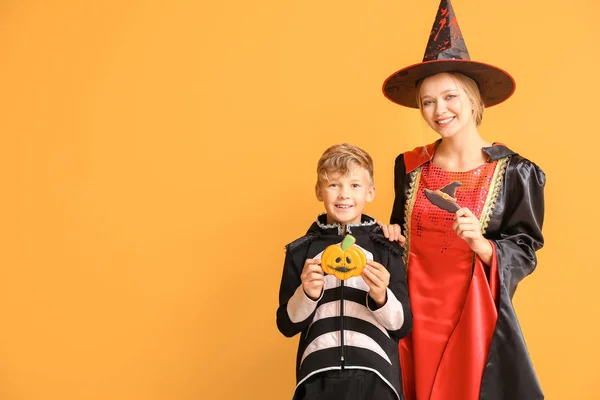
{"type": "Point", "coordinates": [318, 192]}
{"type": "Point", "coordinates": [370, 194]}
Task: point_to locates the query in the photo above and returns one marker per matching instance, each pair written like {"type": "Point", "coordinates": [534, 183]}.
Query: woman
{"type": "Point", "coordinates": [469, 214]}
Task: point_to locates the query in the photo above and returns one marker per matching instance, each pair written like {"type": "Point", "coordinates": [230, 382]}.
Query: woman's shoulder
{"type": "Point", "coordinates": [522, 169]}
{"type": "Point", "coordinates": [410, 160]}
{"type": "Point", "coordinates": [522, 164]}
{"type": "Point", "coordinates": [516, 161]}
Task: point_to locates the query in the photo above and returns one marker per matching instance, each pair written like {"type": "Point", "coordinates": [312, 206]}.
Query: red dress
{"type": "Point", "coordinates": [453, 302]}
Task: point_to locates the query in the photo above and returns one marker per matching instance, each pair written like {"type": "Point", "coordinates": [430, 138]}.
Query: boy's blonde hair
{"type": "Point", "coordinates": [343, 158]}
{"type": "Point", "coordinates": [471, 89]}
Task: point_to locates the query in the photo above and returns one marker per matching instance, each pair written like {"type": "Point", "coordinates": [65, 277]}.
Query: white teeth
{"type": "Point", "coordinates": [445, 121]}
{"type": "Point", "coordinates": [343, 206]}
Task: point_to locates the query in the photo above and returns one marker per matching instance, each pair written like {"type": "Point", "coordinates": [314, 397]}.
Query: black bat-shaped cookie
{"type": "Point", "coordinates": [444, 198]}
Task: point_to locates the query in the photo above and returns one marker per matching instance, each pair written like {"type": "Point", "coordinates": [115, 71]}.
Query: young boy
{"type": "Point", "coordinates": [350, 329]}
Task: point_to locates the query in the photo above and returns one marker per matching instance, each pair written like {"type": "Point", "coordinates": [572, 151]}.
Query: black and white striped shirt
{"type": "Point", "coordinates": [344, 329]}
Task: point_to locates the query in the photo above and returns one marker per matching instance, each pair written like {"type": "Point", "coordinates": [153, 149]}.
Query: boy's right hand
{"type": "Point", "coordinates": [312, 278]}
{"type": "Point", "coordinates": [392, 232]}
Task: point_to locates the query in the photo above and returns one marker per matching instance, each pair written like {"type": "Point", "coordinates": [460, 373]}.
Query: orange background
{"type": "Point", "coordinates": [157, 156]}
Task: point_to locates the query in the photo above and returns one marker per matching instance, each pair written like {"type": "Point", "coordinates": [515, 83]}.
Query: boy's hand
{"type": "Point", "coordinates": [377, 277]}
{"type": "Point", "coordinates": [392, 232]}
{"type": "Point", "coordinates": [312, 278]}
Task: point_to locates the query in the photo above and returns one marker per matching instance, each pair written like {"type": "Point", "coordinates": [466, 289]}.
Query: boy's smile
{"type": "Point", "coordinates": [345, 195]}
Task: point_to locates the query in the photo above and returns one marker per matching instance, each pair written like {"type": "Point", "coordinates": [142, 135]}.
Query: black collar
{"type": "Point", "coordinates": [320, 226]}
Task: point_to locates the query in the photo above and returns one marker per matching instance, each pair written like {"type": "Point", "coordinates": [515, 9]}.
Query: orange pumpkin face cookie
{"type": "Point", "coordinates": [343, 260]}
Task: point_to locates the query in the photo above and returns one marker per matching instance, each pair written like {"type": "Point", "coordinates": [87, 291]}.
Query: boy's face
{"type": "Point", "coordinates": [344, 196]}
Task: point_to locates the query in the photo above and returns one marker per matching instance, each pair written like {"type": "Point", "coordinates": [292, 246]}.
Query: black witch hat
{"type": "Point", "coordinates": [447, 52]}
{"type": "Point", "coordinates": [445, 198]}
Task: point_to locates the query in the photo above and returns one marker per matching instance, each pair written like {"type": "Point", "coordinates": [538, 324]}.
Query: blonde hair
{"type": "Point", "coordinates": [471, 90]}
{"type": "Point", "coordinates": [343, 158]}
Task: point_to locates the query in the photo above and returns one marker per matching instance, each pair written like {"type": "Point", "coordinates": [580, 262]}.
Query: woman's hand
{"type": "Point", "coordinates": [466, 225]}
{"type": "Point", "coordinates": [392, 232]}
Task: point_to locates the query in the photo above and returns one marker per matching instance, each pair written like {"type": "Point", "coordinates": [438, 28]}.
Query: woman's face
{"type": "Point", "coordinates": [445, 105]}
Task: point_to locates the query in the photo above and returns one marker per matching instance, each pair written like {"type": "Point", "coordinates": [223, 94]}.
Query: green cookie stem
{"type": "Point", "coordinates": [348, 241]}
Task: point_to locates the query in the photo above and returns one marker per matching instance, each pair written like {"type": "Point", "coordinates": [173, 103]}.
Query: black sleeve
{"type": "Point", "coordinates": [391, 258]}
{"type": "Point", "coordinates": [290, 281]}
{"type": "Point", "coordinates": [400, 181]}
{"type": "Point", "coordinates": [399, 287]}
{"type": "Point", "coordinates": [521, 222]}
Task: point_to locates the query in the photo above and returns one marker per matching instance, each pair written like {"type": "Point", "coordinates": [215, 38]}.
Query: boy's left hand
{"type": "Point", "coordinates": [377, 277]}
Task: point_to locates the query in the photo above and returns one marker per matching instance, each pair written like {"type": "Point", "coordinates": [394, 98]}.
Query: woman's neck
{"type": "Point", "coordinates": [461, 152]}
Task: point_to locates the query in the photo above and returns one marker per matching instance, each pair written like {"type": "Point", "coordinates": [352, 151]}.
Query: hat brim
{"type": "Point", "coordinates": [495, 84]}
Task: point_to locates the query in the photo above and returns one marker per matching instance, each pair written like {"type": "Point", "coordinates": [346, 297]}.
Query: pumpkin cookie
{"type": "Point", "coordinates": [343, 260]}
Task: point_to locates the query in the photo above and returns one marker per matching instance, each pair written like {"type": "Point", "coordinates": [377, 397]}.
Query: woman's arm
{"type": "Point", "coordinates": [520, 230]}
